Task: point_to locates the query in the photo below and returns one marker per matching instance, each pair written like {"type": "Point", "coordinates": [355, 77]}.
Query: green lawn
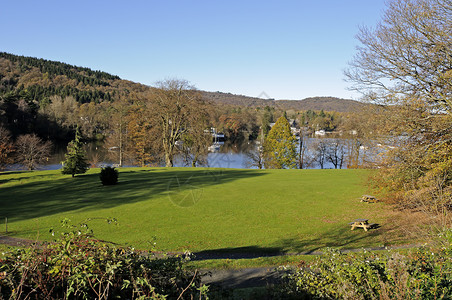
{"type": "Point", "coordinates": [201, 209]}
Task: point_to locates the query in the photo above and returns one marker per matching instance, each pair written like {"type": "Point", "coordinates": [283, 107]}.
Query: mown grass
{"type": "Point", "coordinates": [206, 211]}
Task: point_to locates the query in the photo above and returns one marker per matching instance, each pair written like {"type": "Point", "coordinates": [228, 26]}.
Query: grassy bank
{"type": "Point", "coordinates": [202, 210]}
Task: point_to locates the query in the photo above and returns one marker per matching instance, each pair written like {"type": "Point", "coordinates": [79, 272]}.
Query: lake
{"type": "Point", "coordinates": [229, 155]}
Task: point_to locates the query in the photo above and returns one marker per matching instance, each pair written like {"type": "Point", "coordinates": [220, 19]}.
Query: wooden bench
{"type": "Point", "coordinates": [368, 199]}
{"type": "Point", "coordinates": [362, 223]}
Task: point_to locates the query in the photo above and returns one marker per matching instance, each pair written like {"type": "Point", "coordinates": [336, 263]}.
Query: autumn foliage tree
{"type": "Point", "coordinates": [405, 64]}
{"type": "Point", "coordinates": [141, 135]}
{"type": "Point", "coordinates": [173, 104]}
{"type": "Point", "coordinates": [197, 138]}
{"type": "Point", "coordinates": [280, 146]}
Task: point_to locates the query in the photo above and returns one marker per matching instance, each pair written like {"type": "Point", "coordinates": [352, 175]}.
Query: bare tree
{"type": "Point", "coordinates": [31, 150]}
{"type": "Point", "coordinates": [320, 149]}
{"type": "Point", "coordinates": [407, 57]}
{"type": "Point", "coordinates": [255, 157]}
{"type": "Point", "coordinates": [335, 153]}
{"type": "Point", "coordinates": [305, 157]}
{"type": "Point", "coordinates": [116, 141]}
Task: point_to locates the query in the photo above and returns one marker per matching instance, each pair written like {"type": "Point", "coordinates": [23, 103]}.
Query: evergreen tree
{"type": "Point", "coordinates": [280, 146]}
{"type": "Point", "coordinates": [75, 162]}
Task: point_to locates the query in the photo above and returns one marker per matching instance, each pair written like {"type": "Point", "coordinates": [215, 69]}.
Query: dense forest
{"type": "Point", "coordinates": [37, 79]}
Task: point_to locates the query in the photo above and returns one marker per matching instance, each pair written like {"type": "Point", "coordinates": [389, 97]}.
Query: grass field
{"type": "Point", "coordinates": [202, 210]}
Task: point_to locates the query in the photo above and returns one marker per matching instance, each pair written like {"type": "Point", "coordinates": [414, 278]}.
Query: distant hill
{"type": "Point", "coordinates": [312, 103]}
{"type": "Point", "coordinates": [322, 103]}
{"type": "Point", "coordinates": [239, 100]}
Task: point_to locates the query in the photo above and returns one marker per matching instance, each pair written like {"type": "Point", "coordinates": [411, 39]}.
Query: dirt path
{"type": "Point", "coordinates": [242, 278]}
{"type": "Point", "coordinates": [12, 241]}
{"type": "Point", "coordinates": [259, 277]}
{"type": "Point", "coordinates": [247, 255]}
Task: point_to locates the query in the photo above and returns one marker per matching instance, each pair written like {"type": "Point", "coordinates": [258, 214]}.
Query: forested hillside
{"type": "Point", "coordinates": [322, 103]}
{"type": "Point", "coordinates": [47, 97]}
{"type": "Point", "coordinates": [35, 79]}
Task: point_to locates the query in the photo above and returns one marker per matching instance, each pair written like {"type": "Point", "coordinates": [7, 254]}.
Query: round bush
{"type": "Point", "coordinates": [109, 176]}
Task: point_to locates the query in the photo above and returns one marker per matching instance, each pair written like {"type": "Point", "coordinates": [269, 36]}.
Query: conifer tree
{"type": "Point", "coordinates": [280, 146]}
{"type": "Point", "coordinates": [75, 162]}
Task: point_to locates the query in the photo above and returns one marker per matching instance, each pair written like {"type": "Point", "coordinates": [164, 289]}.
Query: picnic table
{"type": "Point", "coordinates": [368, 198]}
{"type": "Point", "coordinates": [361, 223]}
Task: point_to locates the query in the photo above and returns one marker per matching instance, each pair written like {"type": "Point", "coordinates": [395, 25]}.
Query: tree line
{"type": "Point", "coordinates": [170, 119]}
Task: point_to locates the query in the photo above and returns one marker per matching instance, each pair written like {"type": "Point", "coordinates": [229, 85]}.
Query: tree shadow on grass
{"type": "Point", "coordinates": [12, 172]}
{"type": "Point", "coordinates": [341, 237]}
{"type": "Point", "coordinates": [85, 192]}
{"type": "Point", "coordinates": [24, 176]}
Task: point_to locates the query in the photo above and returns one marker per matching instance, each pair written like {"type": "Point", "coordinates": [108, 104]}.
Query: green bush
{"type": "Point", "coordinates": [109, 176]}
{"type": "Point", "coordinates": [78, 266]}
{"type": "Point", "coordinates": [421, 274]}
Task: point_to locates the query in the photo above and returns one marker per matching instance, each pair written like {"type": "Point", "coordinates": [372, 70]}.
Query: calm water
{"type": "Point", "coordinates": [227, 156]}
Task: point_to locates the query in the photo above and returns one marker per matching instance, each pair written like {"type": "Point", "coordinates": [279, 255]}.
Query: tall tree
{"type": "Point", "coordinates": [197, 138]}
{"type": "Point", "coordinates": [406, 61]}
{"type": "Point", "coordinates": [141, 134]}
{"type": "Point", "coordinates": [76, 162]}
{"type": "Point", "coordinates": [280, 146]}
{"type": "Point", "coordinates": [305, 157]}
{"type": "Point", "coordinates": [174, 103]}
{"type": "Point", "coordinates": [118, 138]}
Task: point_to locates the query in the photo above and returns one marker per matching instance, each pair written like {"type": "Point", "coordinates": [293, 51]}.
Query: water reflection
{"type": "Point", "coordinates": [222, 155]}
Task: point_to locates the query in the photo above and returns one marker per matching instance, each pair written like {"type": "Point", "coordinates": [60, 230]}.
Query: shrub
{"type": "Point", "coordinates": [421, 274]}
{"type": "Point", "coordinates": [78, 266]}
{"type": "Point", "coordinates": [109, 176]}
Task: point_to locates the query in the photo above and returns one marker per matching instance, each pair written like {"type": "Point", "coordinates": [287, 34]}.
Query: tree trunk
{"type": "Point", "coordinates": [168, 160]}
{"type": "Point", "coordinates": [301, 152]}
{"type": "Point", "coordinates": [194, 161]}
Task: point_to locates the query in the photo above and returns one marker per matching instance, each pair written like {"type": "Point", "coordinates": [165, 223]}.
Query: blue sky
{"type": "Point", "coordinates": [287, 49]}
